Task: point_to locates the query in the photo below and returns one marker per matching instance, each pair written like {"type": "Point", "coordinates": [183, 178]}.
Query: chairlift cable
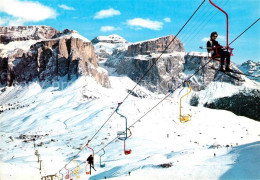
{"type": "Point", "coordinates": [148, 69]}
{"type": "Point", "coordinates": [244, 31]}
{"type": "Point", "coordinates": [158, 103]}
{"type": "Point", "coordinates": [139, 80]}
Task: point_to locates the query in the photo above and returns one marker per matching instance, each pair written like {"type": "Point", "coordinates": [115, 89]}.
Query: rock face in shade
{"type": "Point", "coordinates": [138, 57]}
{"type": "Point", "coordinates": [173, 67]}
{"type": "Point", "coordinates": [67, 54]}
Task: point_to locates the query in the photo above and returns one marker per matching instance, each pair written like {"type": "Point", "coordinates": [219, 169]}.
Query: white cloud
{"type": "Point", "coordinates": [205, 39]}
{"type": "Point", "coordinates": [26, 11]}
{"type": "Point", "coordinates": [145, 23]}
{"type": "Point", "coordinates": [167, 19]}
{"type": "Point", "coordinates": [63, 6]}
{"type": "Point", "coordinates": [106, 13]}
{"type": "Point", "coordinates": [220, 38]}
{"type": "Point", "coordinates": [109, 28]}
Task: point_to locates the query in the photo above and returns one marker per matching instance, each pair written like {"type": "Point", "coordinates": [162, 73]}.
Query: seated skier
{"type": "Point", "coordinates": [216, 49]}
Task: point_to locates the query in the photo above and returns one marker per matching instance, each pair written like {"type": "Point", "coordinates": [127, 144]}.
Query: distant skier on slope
{"type": "Point", "coordinates": [90, 162]}
{"type": "Point", "coordinates": [215, 49]}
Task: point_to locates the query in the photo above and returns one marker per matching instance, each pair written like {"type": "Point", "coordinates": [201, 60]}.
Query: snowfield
{"type": "Point", "coordinates": [61, 118]}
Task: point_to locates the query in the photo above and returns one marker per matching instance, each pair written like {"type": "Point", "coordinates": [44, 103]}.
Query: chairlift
{"type": "Point", "coordinates": [102, 165]}
{"type": "Point", "coordinates": [217, 57]}
{"type": "Point", "coordinates": [67, 175]}
{"type": "Point", "coordinates": [122, 135]}
{"type": "Point", "coordinates": [76, 171]}
{"type": "Point", "coordinates": [86, 169]}
{"type": "Point", "coordinates": [186, 117]}
{"type": "Point", "coordinates": [127, 151]}
{"type": "Point", "coordinates": [88, 172]}
{"type": "Point", "coordinates": [61, 174]}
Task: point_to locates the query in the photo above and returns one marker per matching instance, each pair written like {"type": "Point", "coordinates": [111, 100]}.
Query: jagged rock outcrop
{"type": "Point", "coordinates": [139, 57]}
{"type": "Point", "coordinates": [155, 46]}
{"type": "Point", "coordinates": [173, 67]}
{"type": "Point", "coordinates": [23, 33]}
{"type": "Point", "coordinates": [69, 55]}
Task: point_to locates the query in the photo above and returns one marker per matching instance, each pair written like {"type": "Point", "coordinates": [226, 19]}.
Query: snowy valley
{"type": "Point", "coordinates": [53, 106]}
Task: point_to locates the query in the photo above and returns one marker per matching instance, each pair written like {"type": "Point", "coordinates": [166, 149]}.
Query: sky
{"type": "Point", "coordinates": [139, 20]}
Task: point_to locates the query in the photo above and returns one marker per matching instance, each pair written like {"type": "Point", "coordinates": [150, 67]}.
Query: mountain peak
{"type": "Point", "coordinates": [113, 39]}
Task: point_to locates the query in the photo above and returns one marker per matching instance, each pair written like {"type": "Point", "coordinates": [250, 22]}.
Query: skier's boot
{"type": "Point", "coordinates": [228, 69]}
{"type": "Point", "coordinates": [222, 68]}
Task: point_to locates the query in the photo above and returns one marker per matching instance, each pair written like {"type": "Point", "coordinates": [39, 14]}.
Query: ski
{"type": "Point", "coordinates": [228, 74]}
{"type": "Point", "coordinates": [236, 72]}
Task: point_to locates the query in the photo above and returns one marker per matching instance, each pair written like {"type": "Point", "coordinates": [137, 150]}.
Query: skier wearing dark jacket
{"type": "Point", "coordinates": [90, 162]}
{"type": "Point", "coordinates": [215, 49]}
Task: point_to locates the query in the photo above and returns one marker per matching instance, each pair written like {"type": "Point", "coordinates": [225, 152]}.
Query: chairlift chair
{"type": "Point", "coordinates": [185, 117]}
{"type": "Point", "coordinates": [67, 175]}
{"type": "Point", "coordinates": [76, 171]}
{"type": "Point", "coordinates": [122, 135]}
{"type": "Point", "coordinates": [102, 165]}
{"type": "Point", "coordinates": [88, 172]}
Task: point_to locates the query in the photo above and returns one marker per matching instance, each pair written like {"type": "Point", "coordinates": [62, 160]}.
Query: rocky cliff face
{"type": "Point", "coordinates": [139, 57]}
{"type": "Point", "coordinates": [66, 55]}
{"type": "Point", "coordinates": [173, 67]}
{"type": "Point", "coordinates": [155, 46]}
{"type": "Point", "coordinates": [204, 77]}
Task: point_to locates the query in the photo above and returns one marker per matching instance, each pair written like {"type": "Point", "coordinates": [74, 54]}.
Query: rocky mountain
{"type": "Point", "coordinates": [174, 66]}
{"type": "Point", "coordinates": [43, 53]}
{"type": "Point", "coordinates": [23, 33]}
{"type": "Point", "coordinates": [106, 45]}
{"type": "Point", "coordinates": [252, 68]}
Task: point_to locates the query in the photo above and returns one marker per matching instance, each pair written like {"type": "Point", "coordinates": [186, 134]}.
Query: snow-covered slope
{"type": "Point", "coordinates": [215, 144]}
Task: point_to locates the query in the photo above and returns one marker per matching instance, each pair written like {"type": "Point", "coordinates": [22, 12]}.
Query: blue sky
{"type": "Point", "coordinates": [138, 20]}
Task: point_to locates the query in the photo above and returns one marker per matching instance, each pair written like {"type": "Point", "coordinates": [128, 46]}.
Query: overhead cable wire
{"type": "Point", "coordinates": [149, 69]}
{"type": "Point", "coordinates": [199, 25]}
{"type": "Point", "coordinates": [138, 120]}
{"type": "Point", "coordinates": [175, 88]}
{"type": "Point", "coordinates": [244, 31]}
{"type": "Point", "coordinates": [164, 50]}
{"type": "Point", "coordinates": [204, 23]}
{"type": "Point", "coordinates": [139, 80]}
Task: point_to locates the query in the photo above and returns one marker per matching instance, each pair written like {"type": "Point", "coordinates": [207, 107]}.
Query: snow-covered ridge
{"type": "Point", "coordinates": [23, 33]}
{"type": "Point", "coordinates": [113, 39]}
{"type": "Point", "coordinates": [22, 37]}
{"type": "Point", "coordinates": [74, 34]}
{"type": "Point", "coordinates": [198, 54]}
{"type": "Point", "coordinates": [252, 68]}
{"type": "Point", "coordinates": [6, 50]}
{"type": "Point", "coordinates": [153, 39]}
{"type": "Point", "coordinates": [106, 45]}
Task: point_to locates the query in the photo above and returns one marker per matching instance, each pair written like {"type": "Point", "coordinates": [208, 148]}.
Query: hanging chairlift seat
{"type": "Point", "coordinates": [102, 165]}
{"type": "Point", "coordinates": [186, 117]}
{"type": "Point", "coordinates": [122, 135]}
